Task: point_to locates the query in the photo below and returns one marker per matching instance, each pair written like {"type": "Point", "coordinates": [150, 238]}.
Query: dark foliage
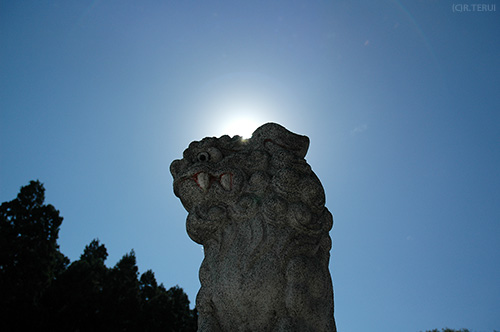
{"type": "Point", "coordinates": [41, 290]}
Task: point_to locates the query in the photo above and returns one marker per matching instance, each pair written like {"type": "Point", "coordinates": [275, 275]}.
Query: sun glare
{"type": "Point", "coordinates": [239, 103]}
{"type": "Point", "coordinates": [243, 126]}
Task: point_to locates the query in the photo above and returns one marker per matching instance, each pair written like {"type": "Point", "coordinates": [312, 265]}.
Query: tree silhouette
{"type": "Point", "coordinates": [122, 294]}
{"type": "Point", "coordinates": [29, 255]}
{"type": "Point", "coordinates": [40, 290]}
{"type": "Point", "coordinates": [75, 300]}
{"type": "Point", "coordinates": [164, 310]}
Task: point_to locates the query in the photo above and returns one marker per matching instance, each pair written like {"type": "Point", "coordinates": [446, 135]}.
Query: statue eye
{"type": "Point", "coordinates": [203, 156]}
{"type": "Point", "coordinates": [215, 154]}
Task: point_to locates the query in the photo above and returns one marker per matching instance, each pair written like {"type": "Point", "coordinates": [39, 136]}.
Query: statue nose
{"type": "Point", "coordinates": [175, 168]}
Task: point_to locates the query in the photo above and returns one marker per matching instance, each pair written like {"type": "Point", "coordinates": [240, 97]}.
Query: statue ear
{"type": "Point", "coordinates": [272, 135]}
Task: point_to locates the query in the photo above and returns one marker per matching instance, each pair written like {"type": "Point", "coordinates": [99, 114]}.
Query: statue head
{"type": "Point", "coordinates": [235, 178]}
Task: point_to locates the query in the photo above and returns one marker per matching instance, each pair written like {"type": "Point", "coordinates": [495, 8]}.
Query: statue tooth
{"type": "Point", "coordinates": [225, 181]}
{"type": "Point", "coordinates": [203, 180]}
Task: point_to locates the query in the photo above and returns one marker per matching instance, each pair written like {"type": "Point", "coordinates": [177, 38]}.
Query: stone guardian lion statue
{"type": "Point", "coordinates": [259, 211]}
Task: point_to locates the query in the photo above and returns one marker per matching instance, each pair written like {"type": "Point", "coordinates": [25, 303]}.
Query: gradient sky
{"type": "Point", "coordinates": [401, 101]}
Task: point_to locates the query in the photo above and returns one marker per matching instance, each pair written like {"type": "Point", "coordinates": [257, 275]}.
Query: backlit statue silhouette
{"type": "Point", "coordinates": [259, 211]}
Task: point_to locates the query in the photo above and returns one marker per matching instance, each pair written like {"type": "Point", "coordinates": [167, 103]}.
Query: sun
{"type": "Point", "coordinates": [239, 104]}
{"type": "Point", "coordinates": [240, 117]}
{"type": "Point", "coordinates": [243, 126]}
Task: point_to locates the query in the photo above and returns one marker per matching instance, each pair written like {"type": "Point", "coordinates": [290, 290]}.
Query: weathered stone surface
{"type": "Point", "coordinates": [259, 211]}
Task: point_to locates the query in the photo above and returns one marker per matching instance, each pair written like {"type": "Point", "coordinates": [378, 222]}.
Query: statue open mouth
{"type": "Point", "coordinates": [205, 180]}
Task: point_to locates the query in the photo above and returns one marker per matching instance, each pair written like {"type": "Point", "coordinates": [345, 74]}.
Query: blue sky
{"type": "Point", "coordinates": [401, 101]}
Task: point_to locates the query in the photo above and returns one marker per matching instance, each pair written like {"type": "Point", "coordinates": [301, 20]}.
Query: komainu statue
{"type": "Point", "coordinates": [259, 211]}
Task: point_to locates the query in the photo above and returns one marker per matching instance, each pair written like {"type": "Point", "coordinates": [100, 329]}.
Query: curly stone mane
{"type": "Point", "coordinates": [259, 211]}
